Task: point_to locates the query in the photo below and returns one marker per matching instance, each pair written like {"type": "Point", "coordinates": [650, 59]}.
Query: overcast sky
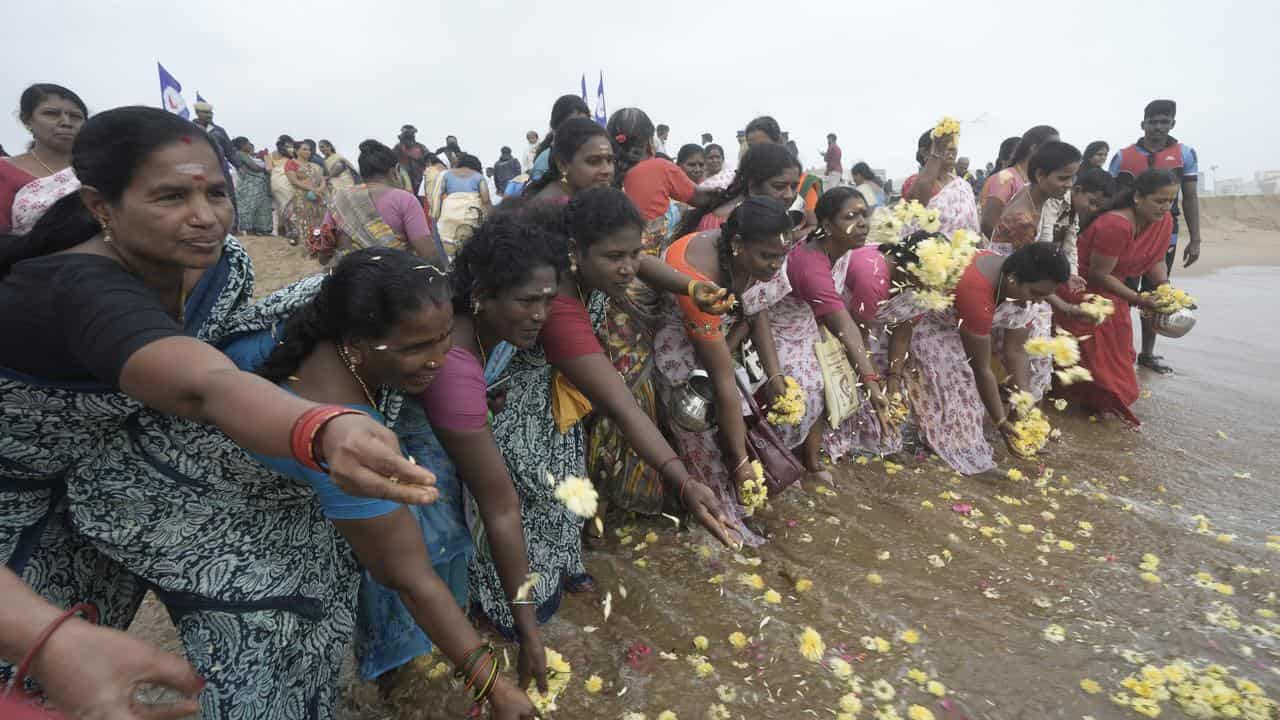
{"type": "Point", "coordinates": [877, 74]}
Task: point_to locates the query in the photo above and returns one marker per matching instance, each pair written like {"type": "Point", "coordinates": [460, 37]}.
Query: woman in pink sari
{"type": "Point", "coordinates": [34, 180]}
{"type": "Point", "coordinates": [1129, 241]}
{"type": "Point", "coordinates": [938, 187]}
{"type": "Point", "coordinates": [1001, 187]}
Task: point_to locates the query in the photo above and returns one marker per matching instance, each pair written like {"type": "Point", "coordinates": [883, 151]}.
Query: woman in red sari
{"type": "Point", "coordinates": [1128, 241]}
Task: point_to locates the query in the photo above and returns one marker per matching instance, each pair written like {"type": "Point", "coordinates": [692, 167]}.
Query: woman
{"type": "Point", "coordinates": [920, 353]}
{"type": "Point", "coordinates": [36, 179]}
{"type": "Point", "coordinates": [1001, 187]}
{"type": "Point", "coordinates": [281, 188]}
{"type": "Point", "coordinates": [815, 274]}
{"type": "Point", "coordinates": [504, 281]}
{"type": "Point", "coordinates": [692, 159]}
{"type": "Point", "coordinates": [658, 187]}
{"type": "Point", "coordinates": [581, 157]}
{"type": "Point", "coordinates": [938, 187]}
{"type": "Point", "coordinates": [564, 108]}
{"type": "Point", "coordinates": [134, 467]}
{"type": "Point", "coordinates": [552, 387]}
{"type": "Point", "coordinates": [1091, 192]}
{"type": "Point", "coordinates": [868, 185]}
{"type": "Point", "coordinates": [305, 211]}
{"type": "Point", "coordinates": [459, 202]}
{"type": "Point", "coordinates": [1095, 155]}
{"type": "Point", "coordinates": [379, 325]}
{"type": "Point", "coordinates": [253, 191]}
{"type": "Point", "coordinates": [377, 213]}
{"type": "Point", "coordinates": [748, 248]}
{"type": "Point", "coordinates": [338, 172]}
{"type": "Point", "coordinates": [995, 293]}
{"type": "Point", "coordinates": [718, 176]}
{"type": "Point", "coordinates": [1128, 241]}
{"type": "Point", "coordinates": [766, 169]}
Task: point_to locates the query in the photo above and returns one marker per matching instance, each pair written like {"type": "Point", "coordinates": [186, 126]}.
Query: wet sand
{"type": "Point", "coordinates": [980, 591]}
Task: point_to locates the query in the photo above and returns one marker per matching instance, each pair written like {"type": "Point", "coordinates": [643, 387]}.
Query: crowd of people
{"type": "Point", "coordinates": [425, 433]}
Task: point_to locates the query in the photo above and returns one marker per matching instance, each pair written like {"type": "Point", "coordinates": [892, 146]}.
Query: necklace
{"type": "Point", "coordinates": [484, 357]}
{"type": "Point", "coordinates": [1000, 289]}
{"type": "Point", "coordinates": [351, 367]}
{"type": "Point", "coordinates": [42, 164]}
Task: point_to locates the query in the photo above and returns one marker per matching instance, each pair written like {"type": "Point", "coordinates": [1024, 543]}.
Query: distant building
{"type": "Point", "coordinates": [1266, 182]}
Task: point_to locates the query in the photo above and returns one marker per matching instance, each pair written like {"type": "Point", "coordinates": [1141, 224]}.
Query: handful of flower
{"type": "Point", "coordinates": [578, 495]}
{"type": "Point", "coordinates": [1170, 299]}
{"type": "Point", "coordinates": [1063, 347]}
{"type": "Point", "coordinates": [753, 493]}
{"type": "Point", "coordinates": [915, 216]}
{"type": "Point", "coordinates": [558, 672]}
{"type": "Point", "coordinates": [788, 408]}
{"type": "Point", "coordinates": [946, 126]}
{"type": "Point", "coordinates": [941, 263]}
{"type": "Point", "coordinates": [897, 410]}
{"type": "Point", "coordinates": [1098, 308]}
{"type": "Point", "coordinates": [1032, 429]}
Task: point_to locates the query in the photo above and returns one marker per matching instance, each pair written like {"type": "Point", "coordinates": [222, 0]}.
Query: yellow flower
{"type": "Point", "coordinates": [804, 585]}
{"type": "Point", "coordinates": [1224, 588]}
{"type": "Point", "coordinates": [788, 408]}
{"type": "Point", "coordinates": [946, 126]}
{"type": "Point", "coordinates": [1074, 374]}
{"type": "Point", "coordinates": [772, 597]}
{"type": "Point", "coordinates": [594, 684]}
{"type": "Point", "coordinates": [919, 712]}
{"type": "Point", "coordinates": [1090, 686]}
{"type": "Point", "coordinates": [851, 704]}
{"type": "Point", "coordinates": [882, 690]}
{"type": "Point", "coordinates": [701, 642]}
{"type": "Point", "coordinates": [910, 637]}
{"type": "Point", "coordinates": [752, 580]}
{"type": "Point", "coordinates": [1066, 545]}
{"type": "Point", "coordinates": [811, 645]}
{"type": "Point", "coordinates": [1145, 706]}
{"type": "Point", "coordinates": [667, 715]}
{"type": "Point", "coordinates": [1150, 577]}
{"type": "Point", "coordinates": [875, 579]}
{"type": "Point", "coordinates": [716, 711]}
{"type": "Point", "coordinates": [840, 668]}
{"type": "Point", "coordinates": [935, 688]}
{"type": "Point", "coordinates": [726, 693]}
{"type": "Point", "coordinates": [438, 671]}
{"type": "Point", "coordinates": [1055, 633]}
{"type": "Point", "coordinates": [753, 494]}
{"type": "Point", "coordinates": [578, 495]}
{"type": "Point", "coordinates": [917, 676]}
{"type": "Point", "coordinates": [1015, 474]}
{"type": "Point", "coordinates": [1026, 528]}
{"type": "Point", "coordinates": [1098, 308]}
{"type": "Point", "coordinates": [737, 639]}
{"type": "Point", "coordinates": [651, 538]}
{"type": "Point", "coordinates": [703, 669]}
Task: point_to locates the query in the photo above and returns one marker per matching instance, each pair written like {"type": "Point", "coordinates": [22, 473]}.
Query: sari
{"type": "Point", "coordinates": [956, 208]}
{"type": "Point", "coordinates": [253, 197]}
{"type": "Point", "coordinates": [281, 188]}
{"type": "Point", "coordinates": [305, 211]}
{"type": "Point", "coordinates": [360, 222]}
{"type": "Point", "coordinates": [458, 206]}
{"type": "Point", "coordinates": [1106, 350]}
{"type": "Point", "coordinates": [102, 499]}
{"type": "Point", "coordinates": [34, 198]}
{"type": "Point", "coordinates": [341, 176]}
{"type": "Point", "coordinates": [1014, 230]}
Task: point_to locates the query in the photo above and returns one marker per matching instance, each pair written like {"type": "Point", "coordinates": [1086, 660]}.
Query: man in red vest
{"type": "Point", "coordinates": [1158, 149]}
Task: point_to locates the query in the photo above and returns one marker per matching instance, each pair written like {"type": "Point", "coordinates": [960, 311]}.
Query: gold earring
{"type": "Point", "coordinates": [106, 231]}
{"type": "Point", "coordinates": [475, 306]}
{"type": "Point", "coordinates": [573, 264]}
{"type": "Point", "coordinates": [736, 251]}
{"type": "Point", "coordinates": [351, 360]}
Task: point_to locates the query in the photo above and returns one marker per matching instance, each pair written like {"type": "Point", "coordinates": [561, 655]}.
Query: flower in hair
{"type": "Point", "coordinates": [621, 138]}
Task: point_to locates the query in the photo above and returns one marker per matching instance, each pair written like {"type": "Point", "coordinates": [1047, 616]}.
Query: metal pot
{"type": "Point", "coordinates": [693, 403]}
{"type": "Point", "coordinates": [1175, 324]}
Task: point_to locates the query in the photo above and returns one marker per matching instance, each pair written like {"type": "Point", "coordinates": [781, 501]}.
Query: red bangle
{"type": "Point", "coordinates": [306, 429]}
{"type": "Point", "coordinates": [871, 377]}
{"type": "Point", "coordinates": [90, 614]}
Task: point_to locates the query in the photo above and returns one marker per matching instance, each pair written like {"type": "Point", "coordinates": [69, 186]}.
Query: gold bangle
{"type": "Point", "coordinates": [693, 284]}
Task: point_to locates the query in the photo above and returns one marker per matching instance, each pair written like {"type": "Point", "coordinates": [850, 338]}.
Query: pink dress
{"type": "Point", "coordinates": [956, 208]}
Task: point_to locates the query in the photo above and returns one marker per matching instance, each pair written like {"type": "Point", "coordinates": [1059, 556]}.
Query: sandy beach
{"type": "Point", "coordinates": [1009, 588]}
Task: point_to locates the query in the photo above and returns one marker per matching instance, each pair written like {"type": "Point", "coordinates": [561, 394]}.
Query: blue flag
{"type": "Point", "coordinates": [584, 87]}
{"type": "Point", "coordinates": [602, 116]}
{"type": "Point", "coordinates": [200, 99]}
{"type": "Point", "coordinates": [171, 94]}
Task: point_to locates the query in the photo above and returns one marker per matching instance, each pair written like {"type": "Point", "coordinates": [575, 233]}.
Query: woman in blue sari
{"type": "Point", "coordinates": [120, 427]}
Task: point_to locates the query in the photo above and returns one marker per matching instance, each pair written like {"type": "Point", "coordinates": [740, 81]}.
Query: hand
{"type": "Point", "coordinates": [1076, 311]}
{"type": "Point", "coordinates": [1010, 435]}
{"type": "Point", "coordinates": [1076, 283]}
{"type": "Point", "coordinates": [774, 389]}
{"type": "Point", "coordinates": [497, 400]}
{"type": "Point", "coordinates": [1191, 254]}
{"type": "Point", "coordinates": [706, 509]}
{"type": "Point", "coordinates": [881, 405]}
{"type": "Point", "coordinates": [510, 702]}
{"type": "Point", "coordinates": [365, 460]}
{"type": "Point", "coordinates": [105, 689]}
{"type": "Point", "coordinates": [711, 298]}
{"type": "Point", "coordinates": [532, 662]}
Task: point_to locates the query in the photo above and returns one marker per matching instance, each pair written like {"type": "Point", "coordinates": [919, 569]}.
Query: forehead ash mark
{"type": "Point", "coordinates": [197, 170]}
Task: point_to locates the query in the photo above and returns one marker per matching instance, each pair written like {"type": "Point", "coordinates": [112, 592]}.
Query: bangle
{"type": "Point", "coordinates": [306, 430]}
{"type": "Point", "coordinates": [693, 284]}
{"type": "Point", "coordinates": [738, 467]}
{"type": "Point", "coordinates": [665, 463]}
{"type": "Point", "coordinates": [485, 660]}
{"type": "Point", "coordinates": [90, 614]}
{"type": "Point", "coordinates": [475, 654]}
{"type": "Point", "coordinates": [522, 602]}
{"type": "Point", "coordinates": [870, 377]}
{"type": "Point", "coordinates": [488, 687]}
{"type": "Point", "coordinates": [775, 375]}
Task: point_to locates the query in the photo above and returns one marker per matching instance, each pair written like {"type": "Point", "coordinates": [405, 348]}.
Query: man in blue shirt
{"type": "Point", "coordinates": [1158, 149]}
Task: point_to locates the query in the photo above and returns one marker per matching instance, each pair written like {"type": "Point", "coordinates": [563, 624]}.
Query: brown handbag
{"type": "Point", "coordinates": [781, 468]}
